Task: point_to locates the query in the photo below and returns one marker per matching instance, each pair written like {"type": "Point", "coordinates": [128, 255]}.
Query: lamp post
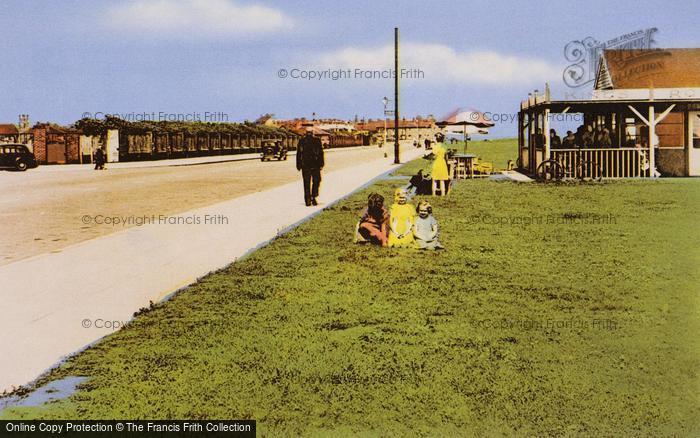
{"type": "Point", "coordinates": [385, 101]}
{"type": "Point", "coordinates": [396, 96]}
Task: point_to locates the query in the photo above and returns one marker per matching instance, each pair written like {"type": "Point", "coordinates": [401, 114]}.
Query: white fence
{"type": "Point", "coordinates": [603, 163]}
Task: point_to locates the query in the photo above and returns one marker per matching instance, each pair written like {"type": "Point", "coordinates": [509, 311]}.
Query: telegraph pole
{"type": "Point", "coordinates": [396, 96]}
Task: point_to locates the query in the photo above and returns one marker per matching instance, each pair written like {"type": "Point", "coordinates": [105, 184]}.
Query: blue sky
{"type": "Point", "coordinates": [63, 59]}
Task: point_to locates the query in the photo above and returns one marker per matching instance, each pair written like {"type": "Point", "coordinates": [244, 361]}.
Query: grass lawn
{"type": "Point", "coordinates": [497, 151]}
{"type": "Point", "coordinates": [581, 326]}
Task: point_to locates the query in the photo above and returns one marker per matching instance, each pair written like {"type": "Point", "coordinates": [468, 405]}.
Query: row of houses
{"type": "Point", "coordinates": [372, 130]}
{"type": "Point", "coordinates": [54, 144]}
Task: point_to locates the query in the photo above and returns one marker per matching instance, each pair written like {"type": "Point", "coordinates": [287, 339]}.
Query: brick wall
{"type": "Point", "coordinates": [40, 144]}
{"type": "Point", "coordinates": [73, 148]}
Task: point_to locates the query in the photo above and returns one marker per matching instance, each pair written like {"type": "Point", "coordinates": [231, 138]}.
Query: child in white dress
{"type": "Point", "coordinates": [425, 228]}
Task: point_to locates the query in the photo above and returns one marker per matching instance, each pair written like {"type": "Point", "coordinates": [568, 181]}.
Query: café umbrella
{"type": "Point", "coordinates": [465, 118]}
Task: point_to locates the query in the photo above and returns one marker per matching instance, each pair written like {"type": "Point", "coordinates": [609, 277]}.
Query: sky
{"type": "Point", "coordinates": [233, 60]}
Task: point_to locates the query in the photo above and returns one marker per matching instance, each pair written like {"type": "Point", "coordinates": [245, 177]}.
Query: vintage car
{"type": "Point", "coordinates": [273, 150]}
{"type": "Point", "coordinates": [17, 157]}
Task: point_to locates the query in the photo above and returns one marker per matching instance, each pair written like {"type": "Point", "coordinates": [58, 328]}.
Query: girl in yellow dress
{"type": "Point", "coordinates": [401, 219]}
{"type": "Point", "coordinates": [440, 173]}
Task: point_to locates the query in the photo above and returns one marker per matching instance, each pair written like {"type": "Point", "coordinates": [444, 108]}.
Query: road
{"type": "Point", "coordinates": [46, 211]}
{"type": "Point", "coordinates": [54, 303]}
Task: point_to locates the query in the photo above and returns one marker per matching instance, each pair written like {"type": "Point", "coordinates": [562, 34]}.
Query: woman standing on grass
{"type": "Point", "coordinates": [441, 176]}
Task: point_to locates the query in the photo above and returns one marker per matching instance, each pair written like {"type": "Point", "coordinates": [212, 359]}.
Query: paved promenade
{"type": "Point", "coordinates": [55, 304]}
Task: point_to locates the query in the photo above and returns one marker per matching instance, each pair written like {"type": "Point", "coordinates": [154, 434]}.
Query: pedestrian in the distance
{"type": "Point", "coordinates": [100, 159]}
{"type": "Point", "coordinates": [310, 161]}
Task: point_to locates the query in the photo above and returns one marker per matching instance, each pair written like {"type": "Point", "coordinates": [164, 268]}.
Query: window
{"type": "Point", "coordinates": [696, 132]}
{"type": "Point", "coordinates": [630, 132]}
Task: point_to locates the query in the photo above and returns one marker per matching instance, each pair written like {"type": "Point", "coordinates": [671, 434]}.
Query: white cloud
{"type": "Point", "coordinates": [444, 64]}
{"type": "Point", "coordinates": [196, 18]}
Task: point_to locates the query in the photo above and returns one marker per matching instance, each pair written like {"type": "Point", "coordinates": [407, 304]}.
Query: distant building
{"type": "Point", "coordinates": [8, 133]}
{"type": "Point", "coordinates": [24, 125]}
{"type": "Point", "coordinates": [408, 129]}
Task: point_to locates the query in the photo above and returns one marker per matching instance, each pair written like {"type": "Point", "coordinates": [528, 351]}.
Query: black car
{"type": "Point", "coordinates": [273, 149]}
{"type": "Point", "coordinates": [16, 156]}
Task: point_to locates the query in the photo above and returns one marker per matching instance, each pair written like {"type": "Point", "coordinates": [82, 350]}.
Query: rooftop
{"type": "Point", "coordinates": [8, 129]}
{"type": "Point", "coordinates": [649, 68]}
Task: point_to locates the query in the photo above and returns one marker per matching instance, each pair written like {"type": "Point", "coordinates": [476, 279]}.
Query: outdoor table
{"type": "Point", "coordinates": [468, 160]}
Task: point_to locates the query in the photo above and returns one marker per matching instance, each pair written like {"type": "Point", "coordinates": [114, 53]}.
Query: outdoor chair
{"type": "Point", "coordinates": [482, 167]}
{"type": "Point", "coordinates": [461, 170]}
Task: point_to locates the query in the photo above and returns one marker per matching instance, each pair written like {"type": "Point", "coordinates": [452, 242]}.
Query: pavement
{"type": "Point", "coordinates": [58, 303]}
{"type": "Point", "coordinates": [166, 163]}
{"type": "Point", "coordinates": [512, 175]}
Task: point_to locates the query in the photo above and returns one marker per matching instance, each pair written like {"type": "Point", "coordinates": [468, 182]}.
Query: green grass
{"type": "Point", "coordinates": [497, 152]}
{"type": "Point", "coordinates": [517, 328]}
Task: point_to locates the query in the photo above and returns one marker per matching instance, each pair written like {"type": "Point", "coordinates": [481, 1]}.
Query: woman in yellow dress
{"type": "Point", "coordinates": [440, 173]}
{"type": "Point", "coordinates": [401, 218]}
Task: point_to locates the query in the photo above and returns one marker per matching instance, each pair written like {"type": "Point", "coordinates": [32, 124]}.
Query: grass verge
{"type": "Point", "coordinates": [556, 309]}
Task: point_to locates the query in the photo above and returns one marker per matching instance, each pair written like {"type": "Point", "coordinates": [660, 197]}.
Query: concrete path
{"type": "Point", "coordinates": [515, 176]}
{"type": "Point", "coordinates": [57, 303]}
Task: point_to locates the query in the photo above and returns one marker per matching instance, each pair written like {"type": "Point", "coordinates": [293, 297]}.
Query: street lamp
{"type": "Point", "coordinates": [385, 101]}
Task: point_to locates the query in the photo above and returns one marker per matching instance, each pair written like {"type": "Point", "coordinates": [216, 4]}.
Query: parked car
{"type": "Point", "coordinates": [273, 149]}
{"type": "Point", "coordinates": [16, 156]}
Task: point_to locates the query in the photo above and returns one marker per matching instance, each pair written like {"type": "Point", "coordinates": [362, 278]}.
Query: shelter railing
{"type": "Point", "coordinates": [603, 162]}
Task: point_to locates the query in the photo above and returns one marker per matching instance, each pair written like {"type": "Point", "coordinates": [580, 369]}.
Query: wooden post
{"type": "Point", "coordinates": [545, 132]}
{"type": "Point", "coordinates": [652, 134]}
{"type": "Point", "coordinates": [465, 138]}
{"type": "Point", "coordinates": [520, 134]}
{"type": "Point", "coordinates": [535, 140]}
{"type": "Point", "coordinates": [530, 142]}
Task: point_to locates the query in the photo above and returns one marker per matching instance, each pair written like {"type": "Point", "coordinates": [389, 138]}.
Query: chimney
{"type": "Point", "coordinates": [23, 122]}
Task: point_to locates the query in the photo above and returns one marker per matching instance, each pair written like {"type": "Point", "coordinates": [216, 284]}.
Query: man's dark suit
{"type": "Point", "coordinates": [310, 161]}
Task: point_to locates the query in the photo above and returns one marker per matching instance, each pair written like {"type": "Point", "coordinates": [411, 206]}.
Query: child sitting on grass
{"type": "Point", "coordinates": [425, 228]}
{"type": "Point", "coordinates": [401, 218]}
{"type": "Point", "coordinates": [374, 222]}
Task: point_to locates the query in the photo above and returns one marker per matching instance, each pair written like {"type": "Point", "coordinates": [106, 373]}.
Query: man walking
{"type": "Point", "coordinates": [310, 162]}
{"type": "Point", "coordinates": [100, 159]}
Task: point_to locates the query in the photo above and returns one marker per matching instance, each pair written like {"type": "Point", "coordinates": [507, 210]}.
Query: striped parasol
{"type": "Point", "coordinates": [465, 118]}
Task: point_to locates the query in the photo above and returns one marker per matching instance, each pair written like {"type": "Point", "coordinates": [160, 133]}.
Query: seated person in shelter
{"type": "Point", "coordinates": [604, 141]}
{"type": "Point", "coordinates": [539, 139]}
{"type": "Point", "coordinates": [425, 229]}
{"type": "Point", "coordinates": [569, 141]}
{"type": "Point", "coordinates": [602, 137]}
{"type": "Point", "coordinates": [554, 140]}
{"type": "Point", "coordinates": [587, 138]}
{"type": "Point", "coordinates": [401, 219]}
{"type": "Point", "coordinates": [579, 136]}
{"type": "Point", "coordinates": [374, 222]}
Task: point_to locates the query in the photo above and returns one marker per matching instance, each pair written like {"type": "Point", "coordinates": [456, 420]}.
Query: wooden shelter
{"type": "Point", "coordinates": [648, 101]}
